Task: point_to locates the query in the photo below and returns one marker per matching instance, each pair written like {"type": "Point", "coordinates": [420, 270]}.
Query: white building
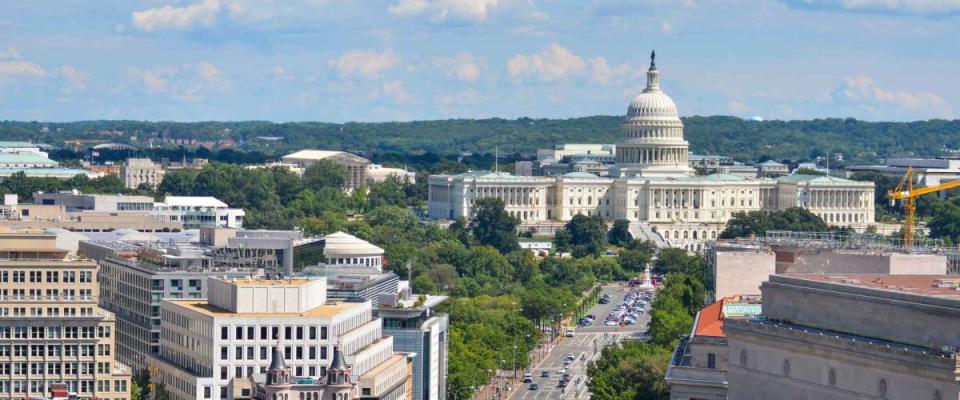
{"type": "Point", "coordinates": [653, 186]}
{"type": "Point", "coordinates": [190, 211]}
{"type": "Point", "coordinates": [22, 147]}
{"type": "Point", "coordinates": [345, 250]}
{"type": "Point", "coordinates": [204, 344]}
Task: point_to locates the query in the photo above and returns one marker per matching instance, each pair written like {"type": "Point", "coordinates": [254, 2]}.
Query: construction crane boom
{"type": "Point", "coordinates": [908, 194]}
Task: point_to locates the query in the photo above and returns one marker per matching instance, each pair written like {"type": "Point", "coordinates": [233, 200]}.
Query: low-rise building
{"type": "Point", "coordinates": [205, 344]}
{"type": "Point", "coordinates": [141, 171]}
{"type": "Point", "coordinates": [848, 337]}
{"type": "Point", "coordinates": [52, 331]}
{"type": "Point", "coordinates": [188, 211]}
{"type": "Point", "coordinates": [356, 165]}
{"type": "Point", "coordinates": [698, 368]}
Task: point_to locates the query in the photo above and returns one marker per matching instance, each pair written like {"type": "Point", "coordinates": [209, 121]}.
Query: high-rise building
{"type": "Point", "coordinates": [418, 329]}
{"type": "Point", "coordinates": [207, 343]}
{"type": "Point", "coordinates": [52, 333]}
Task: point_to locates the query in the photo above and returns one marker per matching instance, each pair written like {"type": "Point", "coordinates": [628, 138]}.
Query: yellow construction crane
{"type": "Point", "coordinates": [906, 192]}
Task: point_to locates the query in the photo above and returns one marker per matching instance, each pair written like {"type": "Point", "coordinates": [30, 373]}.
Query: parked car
{"type": "Point", "coordinates": [544, 374]}
{"type": "Point", "coordinates": [527, 378]}
{"type": "Point", "coordinates": [568, 333]}
{"type": "Point", "coordinates": [534, 386]}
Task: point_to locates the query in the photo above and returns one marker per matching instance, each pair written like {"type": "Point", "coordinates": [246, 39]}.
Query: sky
{"type": "Point", "coordinates": [402, 60]}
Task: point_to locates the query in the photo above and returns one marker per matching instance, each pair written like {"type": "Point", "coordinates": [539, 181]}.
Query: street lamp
{"type": "Point", "coordinates": [514, 361]}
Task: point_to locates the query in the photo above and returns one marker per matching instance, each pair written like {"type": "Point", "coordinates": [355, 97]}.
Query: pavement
{"type": "Point", "coordinates": [586, 345]}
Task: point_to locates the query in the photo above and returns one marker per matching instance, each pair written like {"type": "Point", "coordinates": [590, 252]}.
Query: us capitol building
{"type": "Point", "coordinates": [652, 186]}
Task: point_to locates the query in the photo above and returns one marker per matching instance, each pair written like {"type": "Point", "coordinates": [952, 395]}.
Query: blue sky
{"type": "Point", "coordinates": [382, 60]}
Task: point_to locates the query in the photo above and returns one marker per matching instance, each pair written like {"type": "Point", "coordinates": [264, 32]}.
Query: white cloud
{"type": "Point", "coordinates": [553, 63]}
{"type": "Point", "coordinates": [394, 90]}
{"type": "Point", "coordinates": [602, 72]}
{"type": "Point", "coordinates": [737, 107]}
{"type": "Point", "coordinates": [10, 53]}
{"type": "Point", "coordinates": [440, 10]}
{"type": "Point", "coordinates": [187, 82]}
{"type": "Point", "coordinates": [20, 69]}
{"type": "Point", "coordinates": [863, 92]}
{"type": "Point", "coordinates": [915, 6]}
{"type": "Point", "coordinates": [464, 66]}
{"type": "Point", "coordinates": [368, 64]}
{"type": "Point", "coordinates": [168, 17]}
{"type": "Point", "coordinates": [281, 72]}
{"type": "Point", "coordinates": [666, 27]}
{"type": "Point", "coordinates": [74, 79]}
{"type": "Point", "coordinates": [209, 72]}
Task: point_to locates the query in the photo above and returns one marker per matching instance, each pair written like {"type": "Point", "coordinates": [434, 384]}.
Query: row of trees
{"type": "Point", "coordinates": [745, 140]}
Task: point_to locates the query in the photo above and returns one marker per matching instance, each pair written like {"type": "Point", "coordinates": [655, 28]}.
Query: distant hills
{"type": "Point", "coordinates": [745, 140]}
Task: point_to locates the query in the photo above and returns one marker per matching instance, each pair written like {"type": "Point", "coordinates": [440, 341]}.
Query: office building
{"type": "Point", "coordinates": [189, 211]}
{"type": "Point", "coordinates": [207, 343]}
{"type": "Point", "coordinates": [52, 333]}
{"type": "Point", "coordinates": [141, 171]}
{"type": "Point", "coordinates": [418, 329]}
{"type": "Point", "coordinates": [136, 275]}
{"type": "Point", "coordinates": [850, 336]}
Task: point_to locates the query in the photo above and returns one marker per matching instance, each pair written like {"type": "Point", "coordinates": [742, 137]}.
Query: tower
{"type": "Point", "coordinates": [651, 142]}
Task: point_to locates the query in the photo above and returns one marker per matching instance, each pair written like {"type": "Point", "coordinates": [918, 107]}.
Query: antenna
{"type": "Point", "coordinates": [496, 159]}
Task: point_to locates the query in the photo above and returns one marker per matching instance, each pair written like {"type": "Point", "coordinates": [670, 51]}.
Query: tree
{"type": "Point", "coordinates": [746, 224]}
{"type": "Point", "coordinates": [620, 235]}
{"type": "Point", "coordinates": [757, 223]}
{"type": "Point", "coordinates": [460, 231]}
{"type": "Point", "coordinates": [808, 171]}
{"type": "Point", "coordinates": [388, 192]}
{"type": "Point", "coordinates": [493, 226]}
{"type": "Point", "coordinates": [325, 173]}
{"type": "Point", "coordinates": [945, 221]}
{"type": "Point", "coordinates": [587, 235]}
{"type": "Point", "coordinates": [444, 276]}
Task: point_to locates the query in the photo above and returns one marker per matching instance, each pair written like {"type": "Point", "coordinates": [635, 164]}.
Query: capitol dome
{"type": "Point", "coordinates": [652, 104]}
{"type": "Point", "coordinates": [652, 143]}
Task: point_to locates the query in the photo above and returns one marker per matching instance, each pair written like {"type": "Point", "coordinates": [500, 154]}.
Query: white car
{"type": "Point", "coordinates": [568, 333]}
{"type": "Point", "coordinates": [612, 323]}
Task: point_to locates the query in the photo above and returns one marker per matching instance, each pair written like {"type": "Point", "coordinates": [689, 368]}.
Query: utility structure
{"type": "Point", "coordinates": [908, 194]}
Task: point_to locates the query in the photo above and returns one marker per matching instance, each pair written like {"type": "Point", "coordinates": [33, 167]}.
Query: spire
{"type": "Point", "coordinates": [653, 76]}
{"type": "Point", "coordinates": [278, 373]}
{"type": "Point", "coordinates": [338, 373]}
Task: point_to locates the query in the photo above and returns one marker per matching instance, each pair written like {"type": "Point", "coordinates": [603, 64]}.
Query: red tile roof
{"type": "Point", "coordinates": [710, 321]}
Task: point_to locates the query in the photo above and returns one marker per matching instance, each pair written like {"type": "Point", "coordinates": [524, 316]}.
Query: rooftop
{"type": "Point", "coordinates": [710, 319]}
{"type": "Point", "coordinates": [270, 282]}
{"type": "Point", "coordinates": [327, 310]}
{"type": "Point", "coordinates": [814, 178]}
{"type": "Point", "coordinates": [342, 243]}
{"type": "Point", "coordinates": [942, 286]}
{"type": "Point", "coordinates": [25, 158]}
{"type": "Point", "coordinates": [12, 144]}
{"type": "Point", "coordinates": [194, 201]}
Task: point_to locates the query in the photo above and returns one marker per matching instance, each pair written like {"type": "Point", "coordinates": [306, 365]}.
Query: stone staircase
{"type": "Point", "coordinates": [643, 231]}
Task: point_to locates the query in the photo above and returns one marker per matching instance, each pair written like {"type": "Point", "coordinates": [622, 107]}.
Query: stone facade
{"type": "Point", "coordinates": [652, 183]}
{"type": "Point", "coordinates": [849, 337]}
{"type": "Point", "coordinates": [51, 329]}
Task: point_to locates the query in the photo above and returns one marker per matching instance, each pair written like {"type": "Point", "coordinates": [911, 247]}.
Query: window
{"type": "Point", "coordinates": [224, 333]}
{"type": "Point", "coordinates": [313, 333]}
{"type": "Point", "coordinates": [323, 333]}
{"type": "Point", "coordinates": [711, 360]}
{"type": "Point", "coordinates": [288, 332]}
{"type": "Point", "coordinates": [224, 353]}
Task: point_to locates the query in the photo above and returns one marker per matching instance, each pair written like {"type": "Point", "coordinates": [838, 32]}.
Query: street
{"type": "Point", "coordinates": [585, 347]}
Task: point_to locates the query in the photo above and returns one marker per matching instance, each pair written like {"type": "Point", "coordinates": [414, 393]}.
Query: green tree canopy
{"type": "Point", "coordinates": [493, 226]}
{"type": "Point", "coordinates": [619, 234]}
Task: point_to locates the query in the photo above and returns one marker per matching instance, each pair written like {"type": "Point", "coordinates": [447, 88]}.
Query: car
{"type": "Point", "coordinates": [562, 383]}
{"type": "Point", "coordinates": [611, 323]}
{"type": "Point", "coordinates": [568, 333]}
{"type": "Point", "coordinates": [527, 378]}
{"type": "Point", "coordinates": [566, 377]}
{"type": "Point", "coordinates": [566, 363]}
{"type": "Point", "coordinates": [534, 386]}
{"type": "Point", "coordinates": [544, 374]}
{"type": "Point", "coordinates": [569, 357]}
{"type": "Point", "coordinates": [562, 371]}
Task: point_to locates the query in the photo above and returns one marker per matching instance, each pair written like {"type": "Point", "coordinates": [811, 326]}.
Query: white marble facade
{"type": "Point", "coordinates": [653, 184]}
